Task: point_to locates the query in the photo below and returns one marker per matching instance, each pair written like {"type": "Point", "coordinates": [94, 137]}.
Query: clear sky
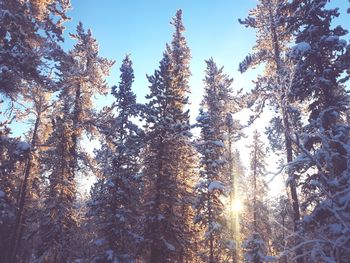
{"type": "Point", "coordinates": [142, 28]}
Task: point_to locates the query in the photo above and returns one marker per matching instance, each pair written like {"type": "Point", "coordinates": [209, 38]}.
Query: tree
{"type": "Point", "coordinates": [40, 109]}
{"type": "Point", "coordinates": [13, 154]}
{"type": "Point", "coordinates": [255, 249]}
{"type": "Point", "coordinates": [213, 160]}
{"type": "Point", "coordinates": [237, 189]}
{"type": "Point", "coordinates": [168, 165]}
{"type": "Point", "coordinates": [117, 207]}
{"type": "Point", "coordinates": [255, 245]}
{"type": "Point", "coordinates": [82, 74]}
{"type": "Point", "coordinates": [28, 38]}
{"type": "Point", "coordinates": [58, 222]}
{"type": "Point", "coordinates": [270, 18]}
{"type": "Point", "coordinates": [319, 53]}
{"type": "Point", "coordinates": [281, 226]}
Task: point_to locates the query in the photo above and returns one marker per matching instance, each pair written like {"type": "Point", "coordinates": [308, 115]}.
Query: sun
{"type": "Point", "coordinates": [237, 206]}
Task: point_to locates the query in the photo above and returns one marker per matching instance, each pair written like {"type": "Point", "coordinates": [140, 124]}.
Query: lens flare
{"type": "Point", "coordinates": [237, 206]}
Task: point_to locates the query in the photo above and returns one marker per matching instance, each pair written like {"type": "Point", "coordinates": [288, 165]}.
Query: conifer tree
{"type": "Point", "coordinates": [29, 34]}
{"type": "Point", "coordinates": [324, 139]}
{"type": "Point", "coordinates": [59, 219]}
{"type": "Point", "coordinates": [13, 154]}
{"type": "Point", "coordinates": [39, 98]}
{"type": "Point", "coordinates": [255, 246]}
{"type": "Point", "coordinates": [82, 75]}
{"type": "Point", "coordinates": [116, 211]}
{"type": "Point", "coordinates": [213, 161]}
{"type": "Point", "coordinates": [281, 223]}
{"type": "Point", "coordinates": [235, 173]}
{"type": "Point", "coordinates": [169, 160]}
{"type": "Point", "coordinates": [270, 18]}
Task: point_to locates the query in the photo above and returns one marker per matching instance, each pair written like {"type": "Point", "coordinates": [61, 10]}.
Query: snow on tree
{"type": "Point", "coordinates": [257, 216]}
{"type": "Point", "coordinates": [82, 74]}
{"type": "Point", "coordinates": [213, 181]}
{"type": "Point", "coordinates": [169, 158]}
{"type": "Point", "coordinates": [13, 153]}
{"type": "Point", "coordinates": [116, 203]}
{"type": "Point", "coordinates": [324, 139]}
{"type": "Point", "coordinates": [281, 225]}
{"type": "Point", "coordinates": [255, 250]}
{"type": "Point", "coordinates": [29, 34]}
{"type": "Point", "coordinates": [59, 223]}
{"type": "Point", "coordinates": [270, 18]}
{"type": "Point", "coordinates": [29, 189]}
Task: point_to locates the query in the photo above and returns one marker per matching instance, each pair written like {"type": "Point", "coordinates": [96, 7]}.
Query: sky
{"type": "Point", "coordinates": [141, 28]}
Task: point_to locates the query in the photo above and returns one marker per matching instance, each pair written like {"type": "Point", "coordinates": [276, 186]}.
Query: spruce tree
{"type": "Point", "coordinates": [270, 18]}
{"type": "Point", "coordinates": [59, 223]}
{"type": "Point", "coordinates": [257, 221]}
{"type": "Point", "coordinates": [29, 185]}
{"type": "Point", "coordinates": [212, 148]}
{"type": "Point", "coordinates": [116, 211]}
{"type": "Point", "coordinates": [82, 75]}
{"type": "Point", "coordinates": [324, 140]}
{"type": "Point", "coordinates": [13, 154]}
{"type": "Point", "coordinates": [29, 34]}
{"type": "Point", "coordinates": [169, 161]}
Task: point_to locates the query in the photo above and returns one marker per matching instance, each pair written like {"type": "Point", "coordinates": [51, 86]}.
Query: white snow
{"type": "Point", "coordinates": [109, 254]}
{"type": "Point", "coordinates": [168, 245]}
{"type": "Point", "coordinates": [99, 242]}
{"type": "Point", "coordinates": [331, 38]}
{"type": "Point", "coordinates": [22, 146]}
{"type": "Point", "coordinates": [160, 217]}
{"type": "Point", "coordinates": [215, 225]}
{"type": "Point", "coordinates": [218, 143]}
{"type": "Point", "coordinates": [215, 185]}
{"type": "Point", "coordinates": [301, 48]}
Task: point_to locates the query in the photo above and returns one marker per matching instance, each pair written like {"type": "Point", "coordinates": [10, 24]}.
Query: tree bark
{"type": "Point", "coordinates": [18, 227]}
{"type": "Point", "coordinates": [292, 185]}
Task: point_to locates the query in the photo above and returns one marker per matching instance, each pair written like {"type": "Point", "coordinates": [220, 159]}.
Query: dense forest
{"type": "Point", "coordinates": [168, 189]}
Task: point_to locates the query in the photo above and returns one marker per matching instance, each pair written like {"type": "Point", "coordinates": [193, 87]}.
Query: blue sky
{"type": "Point", "coordinates": [142, 28]}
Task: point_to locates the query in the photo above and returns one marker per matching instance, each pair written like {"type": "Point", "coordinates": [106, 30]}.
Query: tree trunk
{"type": "Point", "coordinates": [288, 142]}
{"type": "Point", "coordinates": [292, 185]}
{"type": "Point", "coordinates": [254, 197]}
{"type": "Point", "coordinates": [18, 227]}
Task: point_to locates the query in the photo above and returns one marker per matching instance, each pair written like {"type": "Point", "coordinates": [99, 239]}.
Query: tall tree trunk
{"type": "Point", "coordinates": [232, 193]}
{"type": "Point", "coordinates": [211, 238]}
{"type": "Point", "coordinates": [155, 255]}
{"type": "Point", "coordinates": [76, 129]}
{"type": "Point", "coordinates": [288, 142]}
{"type": "Point", "coordinates": [292, 185]}
{"type": "Point", "coordinates": [18, 226]}
{"type": "Point", "coordinates": [254, 195]}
